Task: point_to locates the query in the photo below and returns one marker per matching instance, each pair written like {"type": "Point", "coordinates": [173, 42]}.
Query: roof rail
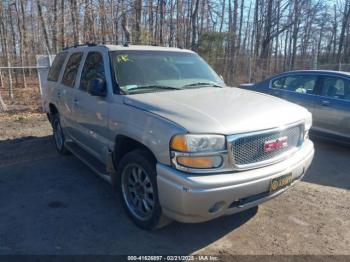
{"type": "Point", "coordinates": [77, 45]}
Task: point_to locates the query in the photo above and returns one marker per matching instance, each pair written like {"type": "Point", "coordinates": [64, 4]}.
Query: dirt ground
{"type": "Point", "coordinates": [53, 204]}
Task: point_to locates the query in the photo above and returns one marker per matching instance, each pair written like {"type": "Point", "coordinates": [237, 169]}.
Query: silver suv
{"type": "Point", "coordinates": [170, 136]}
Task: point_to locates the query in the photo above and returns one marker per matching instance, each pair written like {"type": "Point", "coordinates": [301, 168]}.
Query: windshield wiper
{"type": "Point", "coordinates": [153, 87]}
{"type": "Point", "coordinates": [201, 84]}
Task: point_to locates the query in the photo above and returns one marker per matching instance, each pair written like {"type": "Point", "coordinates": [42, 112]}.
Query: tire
{"type": "Point", "coordinates": [137, 188]}
{"type": "Point", "coordinates": [58, 135]}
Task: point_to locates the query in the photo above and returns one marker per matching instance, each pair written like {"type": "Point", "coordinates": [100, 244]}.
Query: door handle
{"type": "Point", "coordinates": [325, 103]}
{"type": "Point", "coordinates": [58, 94]}
{"type": "Point", "coordinates": [76, 102]}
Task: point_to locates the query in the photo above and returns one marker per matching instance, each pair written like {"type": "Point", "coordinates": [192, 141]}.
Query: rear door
{"type": "Point", "coordinates": [52, 90]}
{"type": "Point", "coordinates": [67, 91]}
{"type": "Point", "coordinates": [296, 88]}
{"type": "Point", "coordinates": [332, 107]}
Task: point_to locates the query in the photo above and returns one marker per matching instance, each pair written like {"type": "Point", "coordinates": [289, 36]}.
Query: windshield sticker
{"type": "Point", "coordinates": [122, 58]}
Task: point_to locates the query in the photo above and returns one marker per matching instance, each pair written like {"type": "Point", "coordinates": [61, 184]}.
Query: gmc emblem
{"type": "Point", "coordinates": [276, 144]}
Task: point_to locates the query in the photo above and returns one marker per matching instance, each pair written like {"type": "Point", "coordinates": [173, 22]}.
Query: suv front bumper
{"type": "Point", "coordinates": [198, 198]}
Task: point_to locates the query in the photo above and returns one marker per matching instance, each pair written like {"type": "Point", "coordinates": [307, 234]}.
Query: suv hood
{"type": "Point", "coordinates": [219, 110]}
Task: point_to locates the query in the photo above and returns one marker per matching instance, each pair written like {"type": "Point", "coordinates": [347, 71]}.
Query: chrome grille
{"type": "Point", "coordinates": [249, 149]}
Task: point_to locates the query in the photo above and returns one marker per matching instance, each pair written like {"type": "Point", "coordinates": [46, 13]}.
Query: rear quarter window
{"type": "Point", "coordinates": [55, 69]}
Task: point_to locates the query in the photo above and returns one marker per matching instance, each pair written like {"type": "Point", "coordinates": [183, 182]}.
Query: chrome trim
{"type": "Point", "coordinates": [228, 164]}
{"type": "Point", "coordinates": [283, 156]}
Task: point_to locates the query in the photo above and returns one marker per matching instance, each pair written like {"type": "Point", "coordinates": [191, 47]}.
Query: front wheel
{"type": "Point", "coordinates": [138, 190]}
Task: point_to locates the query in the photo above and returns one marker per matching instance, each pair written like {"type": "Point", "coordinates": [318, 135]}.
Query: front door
{"type": "Point", "coordinates": [296, 88]}
{"type": "Point", "coordinates": [91, 112]}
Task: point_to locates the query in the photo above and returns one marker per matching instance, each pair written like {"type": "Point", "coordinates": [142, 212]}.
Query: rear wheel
{"type": "Point", "coordinates": [138, 190]}
{"type": "Point", "coordinates": [58, 135]}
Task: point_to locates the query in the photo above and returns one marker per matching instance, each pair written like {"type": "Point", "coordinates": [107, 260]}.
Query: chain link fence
{"type": "Point", "coordinates": [20, 86]}
{"type": "Point", "coordinates": [21, 91]}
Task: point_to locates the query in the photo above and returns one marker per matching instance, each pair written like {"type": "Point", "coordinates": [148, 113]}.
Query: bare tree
{"type": "Point", "coordinates": [345, 24]}
{"type": "Point", "coordinates": [43, 26]}
{"type": "Point", "coordinates": [243, 40]}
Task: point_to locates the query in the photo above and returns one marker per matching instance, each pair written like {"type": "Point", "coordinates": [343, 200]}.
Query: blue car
{"type": "Point", "coordinates": [326, 94]}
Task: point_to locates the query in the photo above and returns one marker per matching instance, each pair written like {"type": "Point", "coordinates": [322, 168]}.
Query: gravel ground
{"type": "Point", "coordinates": [53, 204]}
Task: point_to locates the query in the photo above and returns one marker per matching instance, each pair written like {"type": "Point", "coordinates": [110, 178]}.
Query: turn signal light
{"type": "Point", "coordinates": [200, 161]}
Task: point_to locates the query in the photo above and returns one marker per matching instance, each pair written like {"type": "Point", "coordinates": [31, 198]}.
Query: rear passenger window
{"type": "Point", "coordinates": [299, 84]}
{"type": "Point", "coordinates": [93, 68]}
{"type": "Point", "coordinates": [71, 70]}
{"type": "Point", "coordinates": [56, 66]}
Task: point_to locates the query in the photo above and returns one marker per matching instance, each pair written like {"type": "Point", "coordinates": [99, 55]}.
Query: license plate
{"type": "Point", "coordinates": [280, 182]}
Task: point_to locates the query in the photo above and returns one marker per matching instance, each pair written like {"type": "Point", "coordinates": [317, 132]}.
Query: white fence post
{"type": "Point", "coordinates": [43, 65]}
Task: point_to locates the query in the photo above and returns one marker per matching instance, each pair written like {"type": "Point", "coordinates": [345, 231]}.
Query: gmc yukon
{"type": "Point", "coordinates": [170, 136]}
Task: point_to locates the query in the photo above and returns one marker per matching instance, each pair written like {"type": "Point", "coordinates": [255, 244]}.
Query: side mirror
{"type": "Point", "coordinates": [97, 87]}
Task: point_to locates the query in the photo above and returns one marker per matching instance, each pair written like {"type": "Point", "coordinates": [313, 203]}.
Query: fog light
{"type": "Point", "coordinates": [217, 207]}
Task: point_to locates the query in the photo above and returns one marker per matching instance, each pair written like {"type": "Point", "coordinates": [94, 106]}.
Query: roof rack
{"type": "Point", "coordinates": [77, 45]}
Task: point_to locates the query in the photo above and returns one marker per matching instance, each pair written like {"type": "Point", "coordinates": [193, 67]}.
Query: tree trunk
{"type": "Point", "coordinates": [14, 49]}
{"type": "Point", "coordinates": [3, 106]}
{"type": "Point", "coordinates": [75, 23]}
{"type": "Point", "coordinates": [138, 10]}
{"type": "Point", "coordinates": [62, 25]}
{"type": "Point", "coordinates": [43, 26]}
{"type": "Point", "coordinates": [24, 32]}
{"type": "Point", "coordinates": [55, 26]}
{"type": "Point", "coordinates": [150, 21]}
{"type": "Point", "coordinates": [125, 24]}
{"type": "Point", "coordinates": [345, 23]}
{"type": "Point", "coordinates": [295, 33]}
{"type": "Point", "coordinates": [102, 14]}
{"type": "Point", "coordinates": [194, 26]}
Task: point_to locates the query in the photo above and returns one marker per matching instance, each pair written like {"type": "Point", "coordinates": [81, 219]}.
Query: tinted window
{"type": "Point", "coordinates": [93, 68]}
{"type": "Point", "coordinates": [336, 88]}
{"type": "Point", "coordinates": [71, 70]}
{"type": "Point", "coordinates": [299, 84]}
{"type": "Point", "coordinates": [56, 66]}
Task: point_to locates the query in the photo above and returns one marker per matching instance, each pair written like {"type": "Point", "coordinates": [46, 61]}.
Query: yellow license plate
{"type": "Point", "coordinates": [280, 182]}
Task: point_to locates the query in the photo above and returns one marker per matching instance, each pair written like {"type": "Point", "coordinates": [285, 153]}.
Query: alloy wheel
{"type": "Point", "coordinates": [138, 191]}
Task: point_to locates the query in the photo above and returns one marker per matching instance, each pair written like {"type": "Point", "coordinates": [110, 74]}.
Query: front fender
{"type": "Point", "coordinates": [151, 130]}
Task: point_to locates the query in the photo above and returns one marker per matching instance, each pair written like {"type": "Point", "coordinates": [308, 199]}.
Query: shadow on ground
{"type": "Point", "coordinates": [53, 204]}
{"type": "Point", "coordinates": [330, 166]}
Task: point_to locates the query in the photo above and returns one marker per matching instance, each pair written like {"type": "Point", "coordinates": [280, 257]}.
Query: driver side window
{"type": "Point", "coordinates": [93, 68]}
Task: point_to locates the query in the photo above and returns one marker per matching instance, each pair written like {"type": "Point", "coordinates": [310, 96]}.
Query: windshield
{"type": "Point", "coordinates": [153, 71]}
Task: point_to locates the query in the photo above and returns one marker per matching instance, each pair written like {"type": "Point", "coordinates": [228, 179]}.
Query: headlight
{"type": "Point", "coordinates": [198, 143]}
{"type": "Point", "coordinates": [195, 151]}
{"type": "Point", "coordinates": [308, 122]}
